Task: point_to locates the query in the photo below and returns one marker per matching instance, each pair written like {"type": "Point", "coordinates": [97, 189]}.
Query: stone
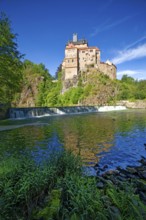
{"type": "Point", "coordinates": [110, 172]}
{"type": "Point", "coordinates": [142, 196]}
{"type": "Point", "coordinates": [143, 161]}
{"type": "Point", "coordinates": [114, 212]}
{"type": "Point", "coordinates": [121, 178]}
{"type": "Point", "coordinates": [101, 179]}
{"type": "Point", "coordinates": [100, 185]}
{"type": "Point", "coordinates": [143, 173]}
{"type": "Point", "coordinates": [105, 167]}
{"type": "Point", "coordinates": [131, 170]}
{"type": "Point", "coordinates": [141, 185]}
{"type": "Point", "coordinates": [122, 175]}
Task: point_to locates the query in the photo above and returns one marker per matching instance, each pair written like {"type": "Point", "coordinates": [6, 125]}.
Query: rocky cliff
{"type": "Point", "coordinates": [95, 87]}
{"type": "Point", "coordinates": [29, 94]}
{"type": "Point", "coordinates": [35, 79]}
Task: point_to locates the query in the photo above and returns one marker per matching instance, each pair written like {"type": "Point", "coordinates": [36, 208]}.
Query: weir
{"type": "Point", "coordinates": [31, 112]}
{"type": "Point", "coordinates": [17, 113]}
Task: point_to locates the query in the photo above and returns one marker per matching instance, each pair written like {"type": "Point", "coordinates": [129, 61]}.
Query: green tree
{"type": "Point", "coordinates": [128, 87]}
{"type": "Point", "coordinates": [10, 62]}
{"type": "Point", "coordinates": [127, 79]}
{"type": "Point", "coordinates": [140, 92]}
{"type": "Point", "coordinates": [53, 97]}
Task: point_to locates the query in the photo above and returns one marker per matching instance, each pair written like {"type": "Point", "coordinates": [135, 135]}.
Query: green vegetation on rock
{"type": "Point", "coordinates": [36, 83]}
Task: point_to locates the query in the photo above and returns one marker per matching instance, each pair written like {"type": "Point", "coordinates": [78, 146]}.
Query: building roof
{"type": "Point", "coordinates": [88, 48]}
{"type": "Point", "coordinates": [70, 46]}
{"type": "Point", "coordinates": [78, 42]}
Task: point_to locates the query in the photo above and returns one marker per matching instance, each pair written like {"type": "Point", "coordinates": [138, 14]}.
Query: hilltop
{"type": "Point", "coordinates": [91, 87]}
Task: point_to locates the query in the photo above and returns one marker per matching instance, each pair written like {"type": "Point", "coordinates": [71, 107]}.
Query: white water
{"type": "Point", "coordinates": [111, 108]}
{"type": "Point", "coordinates": [20, 113]}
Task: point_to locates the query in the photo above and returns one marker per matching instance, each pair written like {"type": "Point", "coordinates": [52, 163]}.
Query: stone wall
{"type": "Point", "coordinates": [88, 57]}
{"type": "Point", "coordinates": [70, 64]}
{"type": "Point", "coordinates": [49, 111]}
{"type": "Point", "coordinates": [78, 58]}
{"type": "Point", "coordinates": [139, 104]}
{"type": "Point", "coordinates": [108, 69]}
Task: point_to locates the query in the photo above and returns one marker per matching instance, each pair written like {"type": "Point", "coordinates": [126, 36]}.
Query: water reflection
{"type": "Point", "coordinates": [46, 149]}
{"type": "Point", "coordinates": [127, 150]}
{"type": "Point", "coordinates": [115, 138]}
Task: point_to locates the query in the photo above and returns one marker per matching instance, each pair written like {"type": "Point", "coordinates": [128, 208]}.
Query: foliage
{"type": "Point", "coordinates": [93, 88]}
{"type": "Point", "coordinates": [24, 184]}
{"type": "Point", "coordinates": [36, 83]}
{"type": "Point", "coordinates": [82, 200]}
{"type": "Point", "coordinates": [72, 96]}
{"type": "Point", "coordinates": [57, 189]}
{"type": "Point", "coordinates": [24, 80]}
{"type": "Point", "coordinates": [59, 70]}
{"type": "Point", "coordinates": [10, 62]}
{"type": "Point", "coordinates": [131, 89]}
{"type": "Point", "coordinates": [53, 96]}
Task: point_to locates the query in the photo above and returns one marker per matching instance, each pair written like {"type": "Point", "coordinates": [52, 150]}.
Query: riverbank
{"type": "Point", "coordinates": [59, 190]}
{"type": "Point", "coordinates": [139, 104]}
{"type": "Point", "coordinates": [134, 176]}
{"type": "Point", "coordinates": [10, 127]}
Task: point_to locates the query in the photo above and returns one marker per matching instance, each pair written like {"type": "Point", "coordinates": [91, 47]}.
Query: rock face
{"type": "Point", "coordinates": [98, 86]}
{"type": "Point", "coordinates": [29, 93]}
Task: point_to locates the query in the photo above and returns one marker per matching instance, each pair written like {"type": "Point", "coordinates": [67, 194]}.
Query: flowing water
{"type": "Point", "coordinates": [111, 138]}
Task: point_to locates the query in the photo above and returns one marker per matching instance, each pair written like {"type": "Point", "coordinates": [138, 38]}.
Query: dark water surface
{"type": "Point", "coordinates": [111, 138]}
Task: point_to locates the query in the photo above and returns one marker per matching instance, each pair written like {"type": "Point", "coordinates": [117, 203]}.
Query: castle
{"type": "Point", "coordinates": [79, 56]}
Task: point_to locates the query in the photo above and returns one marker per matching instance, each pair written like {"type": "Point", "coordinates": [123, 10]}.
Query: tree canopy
{"type": "Point", "coordinates": [10, 62]}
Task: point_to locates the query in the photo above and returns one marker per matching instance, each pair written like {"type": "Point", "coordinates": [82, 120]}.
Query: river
{"type": "Point", "coordinates": [111, 138]}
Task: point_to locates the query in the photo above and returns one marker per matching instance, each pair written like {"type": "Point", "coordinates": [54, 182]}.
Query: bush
{"type": "Point", "coordinates": [57, 189]}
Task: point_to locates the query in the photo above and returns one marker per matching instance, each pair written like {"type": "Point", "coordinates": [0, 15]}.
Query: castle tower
{"type": "Point", "coordinates": [80, 57]}
{"type": "Point", "coordinates": [75, 37]}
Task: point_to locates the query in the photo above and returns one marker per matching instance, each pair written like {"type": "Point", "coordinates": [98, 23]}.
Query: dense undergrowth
{"type": "Point", "coordinates": [57, 189]}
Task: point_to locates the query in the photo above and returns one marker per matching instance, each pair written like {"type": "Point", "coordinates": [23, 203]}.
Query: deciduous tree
{"type": "Point", "coordinates": [10, 62]}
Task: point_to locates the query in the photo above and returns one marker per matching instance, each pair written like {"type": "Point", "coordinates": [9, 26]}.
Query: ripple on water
{"type": "Point", "coordinates": [97, 138]}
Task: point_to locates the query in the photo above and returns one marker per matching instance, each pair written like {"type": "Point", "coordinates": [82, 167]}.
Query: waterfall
{"type": "Point", "coordinates": [31, 112]}
{"type": "Point", "coordinates": [18, 113]}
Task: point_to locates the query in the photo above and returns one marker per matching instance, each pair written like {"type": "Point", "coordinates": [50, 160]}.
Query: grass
{"type": "Point", "coordinates": [58, 190]}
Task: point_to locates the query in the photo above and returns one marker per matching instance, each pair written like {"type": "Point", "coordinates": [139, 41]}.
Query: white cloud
{"type": "Point", "coordinates": [137, 74]}
{"type": "Point", "coordinates": [127, 72]}
{"type": "Point", "coordinates": [107, 26]}
{"type": "Point", "coordinates": [130, 54]}
{"type": "Point", "coordinates": [135, 42]}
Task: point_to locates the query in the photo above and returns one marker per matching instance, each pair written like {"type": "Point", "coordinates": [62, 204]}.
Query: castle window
{"type": "Point", "coordinates": [72, 60]}
{"type": "Point", "coordinates": [83, 51]}
{"type": "Point", "coordinates": [91, 50]}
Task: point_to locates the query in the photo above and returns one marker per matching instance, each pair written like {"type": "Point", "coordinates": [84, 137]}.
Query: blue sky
{"type": "Point", "coordinates": [117, 27]}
